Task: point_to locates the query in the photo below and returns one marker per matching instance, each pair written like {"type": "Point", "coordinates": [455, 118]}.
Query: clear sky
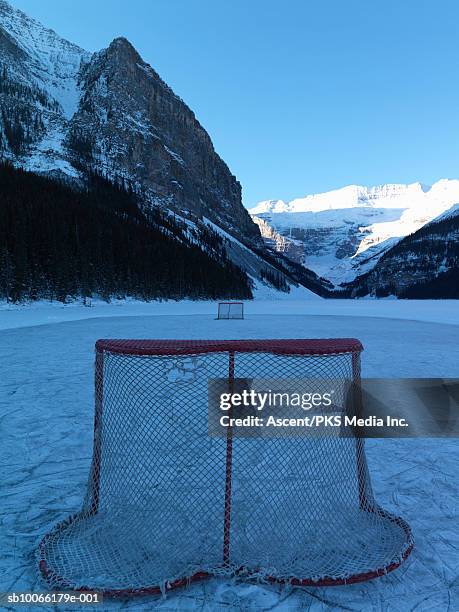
{"type": "Point", "coordinates": [298, 96]}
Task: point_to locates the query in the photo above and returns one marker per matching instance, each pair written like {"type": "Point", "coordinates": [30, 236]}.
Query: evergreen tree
{"type": "Point", "coordinates": [57, 242]}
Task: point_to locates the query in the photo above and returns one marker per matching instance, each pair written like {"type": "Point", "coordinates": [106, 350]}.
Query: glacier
{"type": "Point", "coordinates": [341, 234]}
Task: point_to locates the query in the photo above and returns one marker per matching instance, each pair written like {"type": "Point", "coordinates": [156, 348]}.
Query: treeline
{"type": "Point", "coordinates": [444, 286]}
{"type": "Point", "coordinates": [59, 243]}
{"type": "Point", "coordinates": [423, 265]}
{"type": "Point", "coordinates": [276, 279]}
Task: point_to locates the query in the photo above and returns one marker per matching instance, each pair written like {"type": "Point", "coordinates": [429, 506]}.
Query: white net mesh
{"type": "Point", "coordinates": [231, 310]}
{"type": "Point", "coordinates": [167, 503]}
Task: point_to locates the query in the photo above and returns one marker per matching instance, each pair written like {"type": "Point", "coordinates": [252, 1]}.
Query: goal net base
{"type": "Point", "coordinates": [85, 550]}
{"type": "Point", "coordinates": [167, 504]}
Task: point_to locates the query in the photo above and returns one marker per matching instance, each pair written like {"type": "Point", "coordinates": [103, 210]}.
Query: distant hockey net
{"type": "Point", "coordinates": [167, 504]}
{"type": "Point", "coordinates": [230, 310]}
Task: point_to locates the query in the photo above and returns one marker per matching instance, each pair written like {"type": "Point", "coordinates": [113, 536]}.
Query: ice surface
{"type": "Point", "coordinates": [46, 412]}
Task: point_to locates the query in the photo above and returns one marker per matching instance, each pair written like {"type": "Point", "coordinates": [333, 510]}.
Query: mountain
{"type": "Point", "coordinates": [111, 112]}
{"type": "Point", "coordinates": [39, 92]}
{"type": "Point", "coordinates": [128, 119]}
{"type": "Point", "coordinates": [342, 234]}
{"type": "Point", "coordinates": [422, 265]}
{"type": "Point", "coordinates": [81, 118]}
{"type": "Point", "coordinates": [70, 115]}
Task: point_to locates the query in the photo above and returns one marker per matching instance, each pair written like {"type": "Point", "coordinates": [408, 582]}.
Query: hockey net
{"type": "Point", "coordinates": [231, 310]}
{"type": "Point", "coordinates": [167, 504]}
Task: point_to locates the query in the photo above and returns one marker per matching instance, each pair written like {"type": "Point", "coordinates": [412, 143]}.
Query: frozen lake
{"type": "Point", "coordinates": [46, 412]}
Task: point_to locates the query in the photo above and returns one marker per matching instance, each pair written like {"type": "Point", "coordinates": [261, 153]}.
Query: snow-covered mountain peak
{"type": "Point", "coordinates": [393, 195]}
{"type": "Point", "coordinates": [30, 33]}
{"type": "Point", "coordinates": [269, 206]}
{"type": "Point", "coordinates": [38, 56]}
{"type": "Point", "coordinates": [445, 188]}
{"type": "Point", "coordinates": [341, 233]}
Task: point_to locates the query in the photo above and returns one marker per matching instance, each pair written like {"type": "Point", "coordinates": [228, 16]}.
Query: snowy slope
{"type": "Point", "coordinates": [448, 214]}
{"type": "Point", "coordinates": [342, 233]}
{"type": "Point", "coordinates": [48, 61]}
{"type": "Point", "coordinates": [253, 264]}
{"type": "Point", "coordinates": [49, 67]}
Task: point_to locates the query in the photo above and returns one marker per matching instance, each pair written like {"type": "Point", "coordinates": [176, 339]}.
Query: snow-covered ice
{"type": "Point", "coordinates": [46, 412]}
{"type": "Point", "coordinates": [273, 302]}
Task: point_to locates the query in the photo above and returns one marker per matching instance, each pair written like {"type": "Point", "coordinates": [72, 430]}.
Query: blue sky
{"type": "Point", "coordinates": [299, 96]}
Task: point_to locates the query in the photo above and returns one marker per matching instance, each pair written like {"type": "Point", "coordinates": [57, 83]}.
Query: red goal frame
{"type": "Point", "coordinates": [310, 347]}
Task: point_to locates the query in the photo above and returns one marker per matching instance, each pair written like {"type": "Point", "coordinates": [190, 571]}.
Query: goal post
{"type": "Point", "coordinates": [230, 310]}
{"type": "Point", "coordinates": [167, 503]}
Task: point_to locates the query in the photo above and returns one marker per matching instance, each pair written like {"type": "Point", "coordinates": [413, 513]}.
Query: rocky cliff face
{"type": "Point", "coordinates": [292, 247]}
{"type": "Point", "coordinates": [68, 111]}
{"type": "Point", "coordinates": [129, 121]}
